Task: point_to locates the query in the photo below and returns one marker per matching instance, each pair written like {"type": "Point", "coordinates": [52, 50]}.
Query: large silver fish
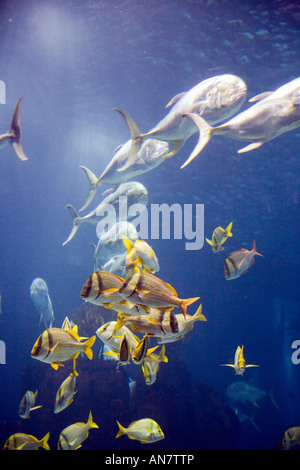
{"type": "Point", "coordinates": [135, 193]}
{"type": "Point", "coordinates": [13, 135]}
{"type": "Point", "coordinates": [40, 296]}
{"type": "Point", "coordinates": [133, 159]}
{"type": "Point", "coordinates": [258, 124]}
{"type": "Point", "coordinates": [285, 91]}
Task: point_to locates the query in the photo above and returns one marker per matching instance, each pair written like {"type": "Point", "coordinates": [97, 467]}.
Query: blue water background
{"type": "Point", "coordinates": [75, 61]}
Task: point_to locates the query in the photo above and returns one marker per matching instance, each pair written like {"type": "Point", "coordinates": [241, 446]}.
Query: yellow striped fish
{"type": "Point", "coordinates": [219, 237]}
{"type": "Point", "coordinates": [101, 288]}
{"type": "Point", "coordinates": [184, 326]}
{"type": "Point", "coordinates": [156, 323]}
{"type": "Point", "coordinates": [238, 262]}
{"type": "Point", "coordinates": [27, 404]}
{"type": "Point", "coordinates": [20, 441]}
{"type": "Point", "coordinates": [56, 345]}
{"type": "Point", "coordinates": [72, 436]}
{"type": "Point", "coordinates": [147, 290]}
{"type": "Point", "coordinates": [239, 363]}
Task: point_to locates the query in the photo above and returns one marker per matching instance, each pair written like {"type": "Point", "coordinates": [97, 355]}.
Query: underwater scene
{"type": "Point", "coordinates": [149, 202]}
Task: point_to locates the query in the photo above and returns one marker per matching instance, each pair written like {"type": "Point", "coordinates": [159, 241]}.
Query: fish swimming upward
{"type": "Point", "coordinates": [13, 136]}
{"type": "Point", "coordinates": [134, 192]}
{"type": "Point", "coordinates": [149, 291]}
{"type": "Point", "coordinates": [238, 262]}
{"type": "Point", "coordinates": [258, 124]}
{"type": "Point", "coordinates": [132, 158]}
{"type": "Point", "coordinates": [219, 237]}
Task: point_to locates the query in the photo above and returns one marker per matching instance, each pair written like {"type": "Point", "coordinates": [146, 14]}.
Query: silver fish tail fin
{"type": "Point", "coordinates": [15, 131]}
{"type": "Point", "coordinates": [136, 139]}
{"type": "Point", "coordinates": [205, 135]}
{"type": "Point", "coordinates": [76, 223]}
{"type": "Point", "coordinates": [94, 183]}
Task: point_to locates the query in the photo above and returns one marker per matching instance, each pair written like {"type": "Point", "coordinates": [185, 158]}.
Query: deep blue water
{"type": "Point", "coordinates": [75, 61]}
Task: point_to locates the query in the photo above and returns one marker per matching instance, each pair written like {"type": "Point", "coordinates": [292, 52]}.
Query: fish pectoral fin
{"type": "Point", "coordinates": [260, 97]}
{"type": "Point", "coordinates": [93, 181]}
{"type": "Point", "coordinates": [251, 365]}
{"type": "Point", "coordinates": [110, 291]}
{"type": "Point", "coordinates": [228, 365]}
{"type": "Point", "coordinates": [56, 365]}
{"type": "Point", "coordinates": [136, 138]}
{"type": "Point", "coordinates": [36, 407]}
{"type": "Point", "coordinates": [209, 241]}
{"type": "Point", "coordinates": [250, 147]}
{"type": "Point", "coordinates": [134, 148]}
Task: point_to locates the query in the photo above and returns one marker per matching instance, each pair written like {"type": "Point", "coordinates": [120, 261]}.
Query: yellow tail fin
{"type": "Point", "coordinates": [88, 347]}
{"type": "Point", "coordinates": [186, 302]}
{"type": "Point", "coordinates": [44, 441]}
{"type": "Point", "coordinates": [91, 422]}
{"type": "Point", "coordinates": [121, 430]}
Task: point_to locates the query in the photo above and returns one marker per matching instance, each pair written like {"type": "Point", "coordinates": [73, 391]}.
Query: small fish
{"type": "Point", "coordinates": [27, 404]}
{"type": "Point", "coordinates": [20, 441]}
{"type": "Point", "coordinates": [144, 430]}
{"type": "Point", "coordinates": [125, 350]}
{"type": "Point", "coordinates": [56, 345]}
{"type": "Point", "coordinates": [66, 391]}
{"type": "Point", "coordinates": [147, 290]}
{"type": "Point", "coordinates": [150, 367]}
{"type": "Point", "coordinates": [13, 136]}
{"type": "Point", "coordinates": [40, 296]}
{"type": "Point", "coordinates": [243, 417]}
{"type": "Point", "coordinates": [127, 307]}
{"type": "Point", "coordinates": [291, 437]}
{"type": "Point", "coordinates": [185, 324]}
{"type": "Point", "coordinates": [239, 364]}
{"type": "Point", "coordinates": [219, 237]}
{"type": "Point", "coordinates": [244, 391]}
{"type": "Point", "coordinates": [134, 192]}
{"type": "Point", "coordinates": [156, 323]}
{"type": "Point", "coordinates": [238, 262]}
{"type": "Point", "coordinates": [72, 437]}
{"type": "Point", "coordinates": [108, 334]}
{"type": "Point", "coordinates": [102, 287]}
{"type": "Point", "coordinates": [258, 124]}
{"type": "Point", "coordinates": [140, 255]}
{"type": "Point", "coordinates": [140, 351]}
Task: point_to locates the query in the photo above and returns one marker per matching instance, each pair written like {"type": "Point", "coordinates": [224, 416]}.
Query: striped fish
{"type": "Point", "coordinates": [184, 326]}
{"type": "Point", "coordinates": [219, 237]}
{"type": "Point", "coordinates": [20, 441]}
{"type": "Point", "coordinates": [72, 436]}
{"type": "Point", "coordinates": [147, 290]}
{"type": "Point", "coordinates": [27, 404]}
{"type": "Point", "coordinates": [56, 345]}
{"type": "Point", "coordinates": [66, 391]}
{"type": "Point", "coordinates": [156, 323]}
{"type": "Point", "coordinates": [102, 287]}
{"type": "Point", "coordinates": [238, 262]}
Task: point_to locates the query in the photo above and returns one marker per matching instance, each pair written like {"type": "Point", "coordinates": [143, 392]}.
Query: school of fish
{"type": "Point", "coordinates": [124, 281]}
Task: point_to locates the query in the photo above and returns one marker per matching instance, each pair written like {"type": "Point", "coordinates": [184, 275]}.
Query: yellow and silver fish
{"type": "Point", "coordinates": [144, 430]}
{"type": "Point", "coordinates": [140, 255]}
{"type": "Point", "coordinates": [56, 345]}
{"type": "Point", "coordinates": [108, 334]}
{"type": "Point", "coordinates": [125, 350]}
{"type": "Point", "coordinates": [28, 404]}
{"type": "Point", "coordinates": [72, 436]}
{"type": "Point", "coordinates": [239, 364]}
{"type": "Point", "coordinates": [147, 290]}
{"type": "Point", "coordinates": [219, 237]}
{"type": "Point", "coordinates": [291, 437]}
{"type": "Point", "coordinates": [150, 367]}
{"type": "Point", "coordinates": [238, 262]}
{"type": "Point", "coordinates": [185, 324]}
{"type": "Point", "coordinates": [66, 391]}
{"type": "Point", "coordinates": [20, 441]}
{"type": "Point", "coordinates": [102, 287]}
{"type": "Point", "coordinates": [156, 323]}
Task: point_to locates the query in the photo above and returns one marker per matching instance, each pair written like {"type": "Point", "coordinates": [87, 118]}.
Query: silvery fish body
{"type": "Point", "coordinates": [149, 156]}
{"type": "Point", "coordinates": [27, 404]}
{"type": "Point", "coordinates": [244, 391]}
{"type": "Point", "coordinates": [115, 265]}
{"type": "Point", "coordinates": [111, 338]}
{"type": "Point", "coordinates": [215, 99]}
{"type": "Point", "coordinates": [258, 124]}
{"type": "Point", "coordinates": [185, 324]}
{"type": "Point", "coordinates": [102, 287]}
{"type": "Point", "coordinates": [21, 441]}
{"type": "Point", "coordinates": [285, 91]}
{"type": "Point", "coordinates": [65, 393]}
{"type": "Point", "coordinates": [72, 436]}
{"type": "Point", "coordinates": [126, 195]}
{"type": "Point", "coordinates": [41, 299]}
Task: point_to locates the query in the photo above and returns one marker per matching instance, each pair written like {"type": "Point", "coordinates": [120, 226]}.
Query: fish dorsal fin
{"type": "Point", "coordinates": [171, 288]}
{"type": "Point", "coordinates": [74, 332]}
{"type": "Point", "coordinates": [175, 99]}
{"type": "Point", "coordinates": [133, 128]}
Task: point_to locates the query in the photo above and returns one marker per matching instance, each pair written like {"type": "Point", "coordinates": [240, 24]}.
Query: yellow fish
{"type": "Point", "coordinates": [291, 437]}
{"type": "Point", "coordinates": [101, 288]}
{"type": "Point", "coordinates": [147, 290]}
{"type": "Point", "coordinates": [239, 364]}
{"type": "Point", "coordinates": [65, 393]}
{"type": "Point", "coordinates": [140, 255]}
{"type": "Point", "coordinates": [56, 345]}
{"type": "Point", "coordinates": [156, 323]}
{"type": "Point", "coordinates": [150, 367]}
{"type": "Point", "coordinates": [238, 262]}
{"type": "Point", "coordinates": [20, 441]}
{"type": "Point", "coordinates": [72, 436]}
{"type": "Point", "coordinates": [27, 404]}
{"type": "Point", "coordinates": [144, 430]}
{"type": "Point", "coordinates": [219, 237]}
{"type": "Point", "coordinates": [185, 324]}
